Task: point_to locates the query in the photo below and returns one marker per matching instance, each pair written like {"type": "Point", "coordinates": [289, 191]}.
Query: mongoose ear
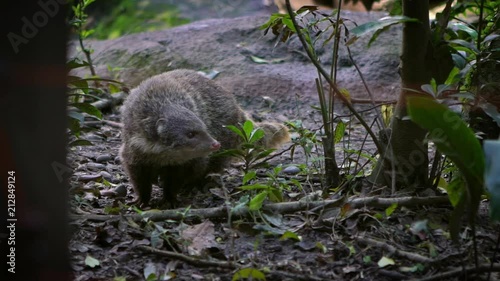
{"type": "Point", "coordinates": [161, 124]}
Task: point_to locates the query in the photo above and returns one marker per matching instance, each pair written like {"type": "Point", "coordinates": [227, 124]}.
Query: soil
{"type": "Point", "coordinates": [341, 240]}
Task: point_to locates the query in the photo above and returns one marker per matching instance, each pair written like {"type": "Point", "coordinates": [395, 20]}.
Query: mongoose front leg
{"type": "Point", "coordinates": [141, 178]}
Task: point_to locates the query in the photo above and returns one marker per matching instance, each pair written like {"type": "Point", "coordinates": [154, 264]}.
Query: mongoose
{"type": "Point", "coordinates": [172, 122]}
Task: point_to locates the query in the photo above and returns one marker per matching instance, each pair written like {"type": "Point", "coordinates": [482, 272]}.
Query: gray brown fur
{"type": "Point", "coordinates": [172, 122]}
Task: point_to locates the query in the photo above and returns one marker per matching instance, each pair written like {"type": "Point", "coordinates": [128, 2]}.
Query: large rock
{"type": "Point", "coordinates": [226, 45]}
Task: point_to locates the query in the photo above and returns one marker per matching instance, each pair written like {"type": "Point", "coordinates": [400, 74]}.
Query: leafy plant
{"type": "Point", "coordinates": [453, 138]}
{"type": "Point", "coordinates": [79, 23]}
{"type": "Point", "coordinates": [271, 189]}
{"type": "Point", "coordinates": [475, 52]}
{"type": "Point", "coordinates": [315, 29]}
{"type": "Point", "coordinates": [250, 151]}
{"type": "Point", "coordinates": [83, 91]}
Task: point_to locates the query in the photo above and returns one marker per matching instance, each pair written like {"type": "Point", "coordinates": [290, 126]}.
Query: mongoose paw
{"type": "Point", "coordinates": [168, 203]}
{"type": "Point", "coordinates": [138, 203]}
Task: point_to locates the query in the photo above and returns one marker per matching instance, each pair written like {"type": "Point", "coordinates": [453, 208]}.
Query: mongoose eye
{"type": "Point", "coordinates": [191, 135]}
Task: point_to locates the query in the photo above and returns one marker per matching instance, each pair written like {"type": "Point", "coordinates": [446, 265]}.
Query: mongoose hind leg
{"type": "Point", "coordinates": [174, 179]}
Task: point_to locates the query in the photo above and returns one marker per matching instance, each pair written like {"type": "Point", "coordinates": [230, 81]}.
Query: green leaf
{"type": "Point", "coordinates": [275, 195]}
{"type": "Point", "coordinates": [455, 190]}
{"type": "Point", "coordinates": [89, 109]}
{"type": "Point", "coordinates": [274, 19]}
{"type": "Point", "coordinates": [339, 132]}
{"type": "Point", "coordinates": [76, 63]}
{"type": "Point", "coordinates": [250, 175]}
{"type": "Point", "coordinates": [287, 21]}
{"type": "Point", "coordinates": [428, 88]}
{"type": "Point", "coordinates": [453, 138]}
{"type": "Point", "coordinates": [256, 135]}
{"type": "Point", "coordinates": [79, 83]}
{"type": "Point", "coordinates": [463, 27]}
{"type": "Point", "coordinates": [75, 115]}
{"type": "Point", "coordinates": [236, 130]}
{"type": "Point", "coordinates": [86, 33]}
{"type": "Point", "coordinates": [257, 186]}
{"type": "Point", "coordinates": [290, 235]}
{"type": "Point", "coordinates": [150, 272]}
{"type": "Point", "coordinates": [391, 209]}
{"type": "Point", "coordinates": [385, 261]}
{"type": "Point", "coordinates": [248, 128]}
{"type": "Point", "coordinates": [377, 27]}
{"type": "Point", "coordinates": [367, 259]}
{"type": "Point", "coordinates": [453, 77]}
{"type": "Point", "coordinates": [416, 268]}
{"type": "Point", "coordinates": [468, 46]}
{"type": "Point", "coordinates": [241, 204]}
{"type": "Point", "coordinates": [265, 153]}
{"type": "Point", "coordinates": [229, 152]}
{"type": "Point", "coordinates": [248, 274]}
{"type": "Point", "coordinates": [80, 142]}
{"type": "Point", "coordinates": [91, 261]}
{"type": "Point", "coordinates": [256, 202]}
{"type": "Point", "coordinates": [491, 110]}
{"type": "Point", "coordinates": [113, 88]}
{"type": "Point", "coordinates": [321, 247]}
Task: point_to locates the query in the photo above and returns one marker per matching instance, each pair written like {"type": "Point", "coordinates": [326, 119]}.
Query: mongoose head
{"type": "Point", "coordinates": [184, 133]}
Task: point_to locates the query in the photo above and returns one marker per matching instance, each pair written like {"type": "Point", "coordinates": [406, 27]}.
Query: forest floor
{"type": "Point", "coordinates": [357, 232]}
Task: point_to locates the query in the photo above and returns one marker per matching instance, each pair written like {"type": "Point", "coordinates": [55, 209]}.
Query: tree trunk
{"type": "Point", "coordinates": [33, 141]}
{"type": "Point", "coordinates": [407, 152]}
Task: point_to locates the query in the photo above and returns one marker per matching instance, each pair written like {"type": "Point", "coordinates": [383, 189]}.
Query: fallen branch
{"type": "Point", "coordinates": [275, 208]}
{"type": "Point", "coordinates": [111, 101]}
{"type": "Point", "coordinates": [188, 259]}
{"type": "Point", "coordinates": [98, 124]}
{"type": "Point", "coordinates": [197, 261]}
{"type": "Point", "coordinates": [482, 268]}
{"type": "Point", "coordinates": [393, 250]}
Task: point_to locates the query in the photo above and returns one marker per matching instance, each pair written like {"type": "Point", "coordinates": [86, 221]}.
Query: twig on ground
{"type": "Point", "coordinates": [394, 250]}
{"type": "Point", "coordinates": [132, 271]}
{"type": "Point", "coordinates": [111, 101]}
{"type": "Point", "coordinates": [188, 259]}
{"type": "Point", "coordinates": [196, 261]}
{"type": "Point", "coordinates": [482, 268]}
{"type": "Point", "coordinates": [275, 208]}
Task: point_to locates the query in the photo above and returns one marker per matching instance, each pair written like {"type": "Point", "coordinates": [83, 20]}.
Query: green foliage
{"type": "Point", "coordinates": [455, 139]}
{"type": "Point", "coordinates": [377, 27]}
{"type": "Point", "coordinates": [474, 49]}
{"type": "Point", "coordinates": [250, 151]}
{"type": "Point", "coordinates": [80, 16]}
{"type": "Point", "coordinates": [248, 274]}
{"type": "Point", "coordinates": [290, 235]}
{"type": "Point", "coordinates": [307, 139]}
{"type": "Point", "coordinates": [132, 16]}
{"type": "Point", "coordinates": [272, 189]}
{"type": "Point", "coordinates": [389, 210]}
{"type": "Point", "coordinates": [463, 39]}
{"type": "Point", "coordinates": [83, 91]}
